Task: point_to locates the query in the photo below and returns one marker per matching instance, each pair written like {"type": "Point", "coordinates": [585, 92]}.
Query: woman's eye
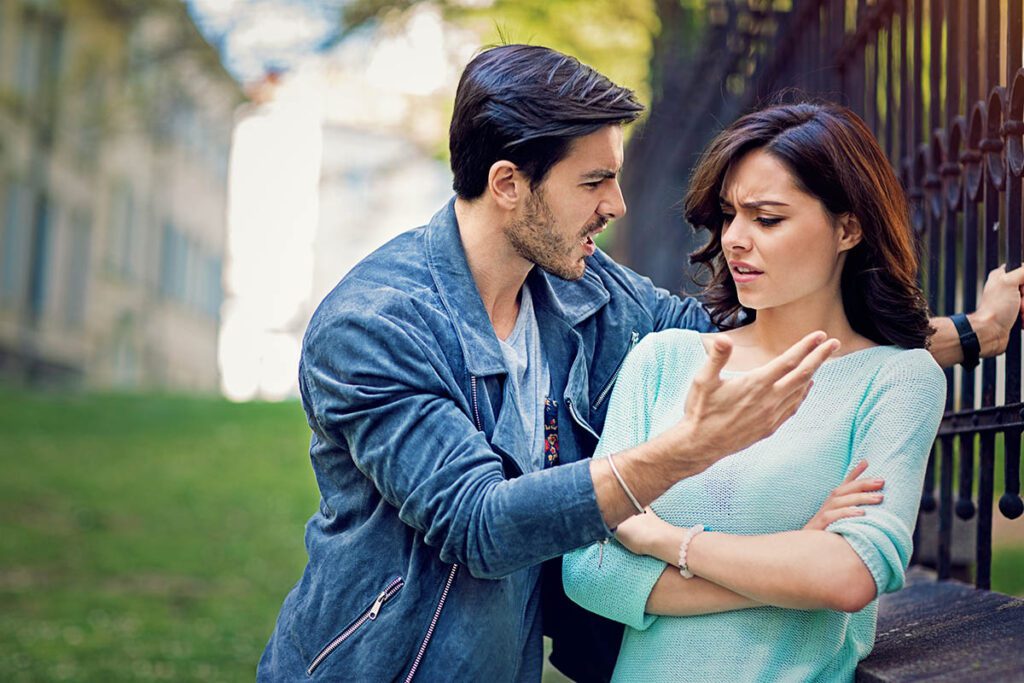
{"type": "Point", "coordinates": [727, 218]}
{"type": "Point", "coordinates": [768, 222]}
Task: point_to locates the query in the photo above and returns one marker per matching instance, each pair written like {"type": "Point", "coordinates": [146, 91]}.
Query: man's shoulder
{"type": "Point", "coordinates": [394, 281]}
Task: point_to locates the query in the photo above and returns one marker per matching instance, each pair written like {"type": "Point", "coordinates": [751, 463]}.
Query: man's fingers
{"type": "Point", "coordinates": [718, 356]}
{"type": "Point", "coordinates": [802, 373]}
{"type": "Point", "coordinates": [791, 359]}
{"type": "Point", "coordinates": [1016, 276]}
{"type": "Point", "coordinates": [856, 472]}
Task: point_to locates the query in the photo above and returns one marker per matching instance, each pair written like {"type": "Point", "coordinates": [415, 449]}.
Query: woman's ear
{"type": "Point", "coordinates": [850, 232]}
{"type": "Point", "coordinates": [504, 183]}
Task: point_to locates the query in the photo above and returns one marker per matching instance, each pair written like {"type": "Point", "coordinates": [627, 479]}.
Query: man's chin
{"type": "Point", "coordinates": [563, 273]}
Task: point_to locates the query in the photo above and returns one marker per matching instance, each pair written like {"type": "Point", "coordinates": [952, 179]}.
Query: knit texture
{"type": "Point", "coordinates": [883, 404]}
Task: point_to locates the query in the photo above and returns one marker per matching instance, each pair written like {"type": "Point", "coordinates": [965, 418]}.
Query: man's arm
{"type": "Point", "coordinates": [998, 311]}
{"type": "Point", "coordinates": [378, 386]}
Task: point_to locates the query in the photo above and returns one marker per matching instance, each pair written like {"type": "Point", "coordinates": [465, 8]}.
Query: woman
{"type": "Point", "coordinates": [809, 231]}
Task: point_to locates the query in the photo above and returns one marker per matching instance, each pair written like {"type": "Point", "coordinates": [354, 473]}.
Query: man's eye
{"type": "Point", "coordinates": [592, 185]}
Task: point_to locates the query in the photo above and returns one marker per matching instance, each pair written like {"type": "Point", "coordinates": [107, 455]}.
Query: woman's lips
{"type": "Point", "coordinates": [743, 273]}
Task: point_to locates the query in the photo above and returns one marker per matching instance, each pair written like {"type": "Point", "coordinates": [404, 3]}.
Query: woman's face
{"type": "Point", "coordinates": [780, 243]}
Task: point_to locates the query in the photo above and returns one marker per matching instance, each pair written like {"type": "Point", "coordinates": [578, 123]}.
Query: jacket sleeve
{"type": "Point", "coordinates": [896, 425]}
{"type": "Point", "coordinates": [379, 387]}
{"type": "Point", "coordinates": [613, 581]}
{"type": "Point", "coordinates": [667, 310]}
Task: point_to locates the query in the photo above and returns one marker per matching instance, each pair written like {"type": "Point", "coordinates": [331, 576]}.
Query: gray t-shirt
{"type": "Point", "coordinates": [530, 382]}
{"type": "Point", "coordinates": [529, 375]}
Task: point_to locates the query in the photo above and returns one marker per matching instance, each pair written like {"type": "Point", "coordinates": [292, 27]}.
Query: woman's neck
{"type": "Point", "coordinates": [776, 329]}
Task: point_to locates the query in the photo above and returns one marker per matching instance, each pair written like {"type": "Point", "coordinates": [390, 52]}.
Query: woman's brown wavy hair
{"type": "Point", "coordinates": [832, 156]}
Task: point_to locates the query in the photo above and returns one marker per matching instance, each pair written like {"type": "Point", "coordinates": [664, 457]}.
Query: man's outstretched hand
{"type": "Point", "coordinates": [724, 416]}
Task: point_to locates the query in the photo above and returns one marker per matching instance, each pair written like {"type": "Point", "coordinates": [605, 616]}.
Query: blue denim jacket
{"type": "Point", "coordinates": [426, 516]}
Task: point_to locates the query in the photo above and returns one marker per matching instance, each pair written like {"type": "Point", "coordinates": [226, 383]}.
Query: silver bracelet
{"type": "Point", "coordinates": [684, 546]}
{"type": "Point", "coordinates": [622, 482]}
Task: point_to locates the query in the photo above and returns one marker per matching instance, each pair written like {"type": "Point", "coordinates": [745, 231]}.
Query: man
{"type": "Point", "coordinates": [455, 393]}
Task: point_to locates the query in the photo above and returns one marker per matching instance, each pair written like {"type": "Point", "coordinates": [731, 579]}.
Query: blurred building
{"type": "Point", "coordinates": [115, 129]}
{"type": "Point", "coordinates": [329, 162]}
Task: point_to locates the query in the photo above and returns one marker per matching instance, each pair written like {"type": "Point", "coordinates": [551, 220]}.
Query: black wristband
{"type": "Point", "coordinates": [968, 341]}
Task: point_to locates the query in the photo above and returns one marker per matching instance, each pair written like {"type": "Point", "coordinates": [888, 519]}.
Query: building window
{"type": "Point", "coordinates": [39, 268]}
{"type": "Point", "coordinates": [120, 231]}
{"type": "Point", "coordinates": [214, 292]}
{"type": "Point", "coordinates": [167, 260]}
{"type": "Point", "coordinates": [27, 79]}
{"type": "Point", "coordinates": [15, 244]}
{"type": "Point", "coordinates": [77, 268]}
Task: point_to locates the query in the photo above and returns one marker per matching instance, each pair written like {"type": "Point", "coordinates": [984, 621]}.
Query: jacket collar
{"type": "Point", "coordinates": [446, 258]}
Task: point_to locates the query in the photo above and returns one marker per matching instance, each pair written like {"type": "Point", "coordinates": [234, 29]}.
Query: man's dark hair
{"type": "Point", "coordinates": [526, 104]}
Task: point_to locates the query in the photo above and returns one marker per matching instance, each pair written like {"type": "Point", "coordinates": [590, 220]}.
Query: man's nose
{"type": "Point", "coordinates": [614, 204]}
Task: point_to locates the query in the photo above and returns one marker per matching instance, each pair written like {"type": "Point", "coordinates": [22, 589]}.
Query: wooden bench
{"type": "Point", "coordinates": [946, 631]}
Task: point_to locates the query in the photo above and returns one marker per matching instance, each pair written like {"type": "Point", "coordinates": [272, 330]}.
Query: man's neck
{"type": "Point", "coordinates": [498, 270]}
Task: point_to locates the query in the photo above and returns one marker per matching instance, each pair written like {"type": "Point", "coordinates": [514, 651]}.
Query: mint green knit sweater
{"type": "Point", "coordinates": [883, 404]}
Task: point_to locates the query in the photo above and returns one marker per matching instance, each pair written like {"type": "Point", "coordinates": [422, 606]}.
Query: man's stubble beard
{"type": "Point", "coordinates": [535, 239]}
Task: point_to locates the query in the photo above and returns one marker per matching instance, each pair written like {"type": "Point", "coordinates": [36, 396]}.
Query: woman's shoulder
{"type": "Point", "coordinates": [671, 344]}
{"type": "Point", "coordinates": [910, 373]}
{"type": "Point", "coordinates": [667, 351]}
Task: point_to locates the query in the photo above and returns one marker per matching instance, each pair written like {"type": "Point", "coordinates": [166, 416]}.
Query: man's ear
{"type": "Point", "coordinates": [850, 232]}
{"type": "Point", "coordinates": [505, 184]}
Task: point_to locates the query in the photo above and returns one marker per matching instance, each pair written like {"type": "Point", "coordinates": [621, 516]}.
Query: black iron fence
{"type": "Point", "coordinates": [941, 84]}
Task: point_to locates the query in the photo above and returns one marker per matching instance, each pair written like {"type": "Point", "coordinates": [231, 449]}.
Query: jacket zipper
{"type": "Point", "coordinates": [634, 337]}
{"type": "Point", "coordinates": [578, 419]}
{"type": "Point", "coordinates": [433, 623]}
{"type": "Point", "coordinates": [368, 615]}
{"type": "Point", "coordinates": [452, 572]}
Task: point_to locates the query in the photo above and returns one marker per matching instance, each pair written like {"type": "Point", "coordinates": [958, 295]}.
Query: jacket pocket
{"type": "Point", "coordinates": [370, 614]}
{"type": "Point", "coordinates": [606, 390]}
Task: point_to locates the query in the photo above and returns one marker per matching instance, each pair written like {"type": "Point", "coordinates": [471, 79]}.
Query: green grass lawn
{"type": "Point", "coordinates": [146, 538]}
{"type": "Point", "coordinates": [153, 538]}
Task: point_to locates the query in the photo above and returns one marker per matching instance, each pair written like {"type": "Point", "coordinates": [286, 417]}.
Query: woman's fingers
{"type": "Point", "coordinates": [854, 500]}
{"type": "Point", "coordinates": [856, 471]}
{"type": "Point", "coordinates": [858, 486]}
{"type": "Point", "coordinates": [841, 513]}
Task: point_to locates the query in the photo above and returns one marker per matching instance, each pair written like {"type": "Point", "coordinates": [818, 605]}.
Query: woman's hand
{"type": "Point", "coordinates": [648, 534]}
{"type": "Point", "coordinates": [845, 500]}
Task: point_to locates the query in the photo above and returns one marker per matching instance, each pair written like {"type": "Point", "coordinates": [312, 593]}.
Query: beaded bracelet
{"type": "Point", "coordinates": [684, 545]}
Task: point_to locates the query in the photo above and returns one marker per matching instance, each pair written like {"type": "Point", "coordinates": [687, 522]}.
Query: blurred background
{"type": "Point", "coordinates": [181, 182]}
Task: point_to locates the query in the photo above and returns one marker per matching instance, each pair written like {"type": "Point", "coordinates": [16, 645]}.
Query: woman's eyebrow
{"type": "Point", "coordinates": [753, 205]}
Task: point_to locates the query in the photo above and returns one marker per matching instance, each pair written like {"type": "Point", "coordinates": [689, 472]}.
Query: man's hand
{"type": "Point", "coordinates": [724, 416]}
{"type": "Point", "coordinates": [846, 499]}
{"type": "Point", "coordinates": [999, 309]}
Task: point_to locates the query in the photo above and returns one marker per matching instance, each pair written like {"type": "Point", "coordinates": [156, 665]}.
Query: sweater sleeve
{"type": "Point", "coordinates": [896, 425]}
{"type": "Point", "coordinates": [613, 581]}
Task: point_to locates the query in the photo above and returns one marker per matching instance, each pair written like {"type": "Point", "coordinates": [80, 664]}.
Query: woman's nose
{"type": "Point", "coordinates": [736, 235]}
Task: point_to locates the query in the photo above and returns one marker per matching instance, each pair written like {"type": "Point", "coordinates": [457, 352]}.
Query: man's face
{"type": "Point", "coordinates": [580, 194]}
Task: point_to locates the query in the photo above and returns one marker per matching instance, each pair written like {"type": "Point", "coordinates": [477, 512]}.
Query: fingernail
{"type": "Point", "coordinates": [860, 513]}
{"type": "Point", "coordinates": [878, 481]}
{"type": "Point", "coordinates": [879, 497]}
